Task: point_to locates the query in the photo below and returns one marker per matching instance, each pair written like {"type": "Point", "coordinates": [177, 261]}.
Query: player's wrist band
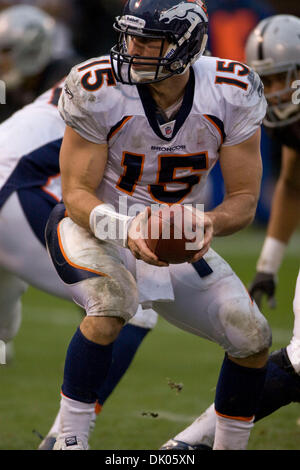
{"type": "Point", "coordinates": [109, 225]}
{"type": "Point", "coordinates": [271, 256]}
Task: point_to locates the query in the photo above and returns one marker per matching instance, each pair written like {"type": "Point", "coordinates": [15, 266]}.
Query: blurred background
{"type": "Point", "coordinates": [84, 30]}
{"type": "Point", "coordinates": [87, 24]}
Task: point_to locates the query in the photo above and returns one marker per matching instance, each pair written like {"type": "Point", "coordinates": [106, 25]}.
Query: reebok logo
{"type": "Point", "coordinates": [71, 441]}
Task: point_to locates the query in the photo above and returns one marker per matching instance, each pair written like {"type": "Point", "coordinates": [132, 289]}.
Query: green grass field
{"type": "Point", "coordinates": [29, 391]}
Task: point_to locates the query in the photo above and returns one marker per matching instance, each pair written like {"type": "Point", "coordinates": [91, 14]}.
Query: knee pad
{"type": "Point", "coordinates": [114, 295]}
{"type": "Point", "coordinates": [92, 269]}
{"type": "Point", "coordinates": [246, 329]}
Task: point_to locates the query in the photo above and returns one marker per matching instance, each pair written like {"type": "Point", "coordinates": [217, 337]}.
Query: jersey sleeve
{"type": "Point", "coordinates": [245, 110]}
{"type": "Point", "coordinates": [81, 110]}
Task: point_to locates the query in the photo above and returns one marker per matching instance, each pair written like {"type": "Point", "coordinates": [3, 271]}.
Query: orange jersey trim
{"type": "Point", "coordinates": [215, 125]}
{"type": "Point", "coordinates": [120, 127]}
{"type": "Point", "coordinates": [98, 408]}
{"type": "Point", "coordinates": [73, 264]}
{"type": "Point", "coordinates": [238, 418]}
{"type": "Point", "coordinates": [46, 190]}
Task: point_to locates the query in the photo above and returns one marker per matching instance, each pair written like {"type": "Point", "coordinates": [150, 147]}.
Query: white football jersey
{"type": "Point", "coordinates": [36, 126]}
{"type": "Point", "coordinates": [151, 161]}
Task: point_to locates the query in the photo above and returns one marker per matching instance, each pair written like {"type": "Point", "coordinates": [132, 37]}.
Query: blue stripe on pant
{"type": "Point", "coordinates": [68, 273]}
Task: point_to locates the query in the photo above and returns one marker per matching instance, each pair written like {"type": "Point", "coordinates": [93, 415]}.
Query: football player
{"type": "Point", "coordinates": [30, 187]}
{"type": "Point", "coordinates": [29, 65]}
{"type": "Point", "coordinates": [146, 125]}
{"type": "Point", "coordinates": [273, 49]}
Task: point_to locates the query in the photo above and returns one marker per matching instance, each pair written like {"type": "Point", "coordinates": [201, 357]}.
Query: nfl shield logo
{"type": "Point", "coordinates": [168, 128]}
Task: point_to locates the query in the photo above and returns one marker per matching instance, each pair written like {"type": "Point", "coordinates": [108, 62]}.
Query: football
{"type": "Point", "coordinates": [167, 229]}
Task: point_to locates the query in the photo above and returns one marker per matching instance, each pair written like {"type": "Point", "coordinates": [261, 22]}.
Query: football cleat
{"type": "Point", "coordinates": [172, 444]}
{"type": "Point", "coordinates": [48, 442]}
{"type": "Point", "coordinates": [69, 443]}
{"type": "Point", "coordinates": [281, 358]}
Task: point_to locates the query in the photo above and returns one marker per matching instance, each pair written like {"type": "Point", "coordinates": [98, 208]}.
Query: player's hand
{"type": "Point", "coordinates": [264, 284]}
{"type": "Point", "coordinates": [137, 233]}
{"type": "Point", "coordinates": [208, 236]}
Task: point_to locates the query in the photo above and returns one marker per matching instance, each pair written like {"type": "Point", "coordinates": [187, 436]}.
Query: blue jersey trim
{"type": "Point", "coordinates": [33, 170]}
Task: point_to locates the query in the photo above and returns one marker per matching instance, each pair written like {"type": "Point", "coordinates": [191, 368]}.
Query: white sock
{"type": "Point", "coordinates": [202, 430]}
{"type": "Point", "coordinates": [75, 419]}
{"type": "Point", "coordinates": [232, 434]}
{"type": "Point", "coordinates": [293, 348]}
{"type": "Point", "coordinates": [54, 430]}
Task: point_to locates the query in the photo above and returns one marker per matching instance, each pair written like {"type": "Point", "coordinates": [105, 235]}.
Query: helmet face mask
{"type": "Point", "coordinates": [281, 110]}
{"type": "Point", "coordinates": [180, 29]}
{"type": "Point", "coordinates": [273, 51]}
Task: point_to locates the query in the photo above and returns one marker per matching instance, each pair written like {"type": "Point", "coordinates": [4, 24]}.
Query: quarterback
{"type": "Point", "coordinates": [149, 123]}
{"type": "Point", "coordinates": [273, 49]}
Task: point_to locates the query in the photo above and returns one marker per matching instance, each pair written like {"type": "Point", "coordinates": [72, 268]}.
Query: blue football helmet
{"type": "Point", "coordinates": [181, 24]}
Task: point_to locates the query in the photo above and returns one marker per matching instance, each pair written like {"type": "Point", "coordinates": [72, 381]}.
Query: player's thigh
{"type": "Point", "coordinates": [92, 270]}
{"type": "Point", "coordinates": [216, 307]}
{"type": "Point", "coordinates": [22, 254]}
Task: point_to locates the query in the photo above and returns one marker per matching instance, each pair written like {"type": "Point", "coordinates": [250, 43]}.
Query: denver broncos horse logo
{"type": "Point", "coordinates": [190, 11]}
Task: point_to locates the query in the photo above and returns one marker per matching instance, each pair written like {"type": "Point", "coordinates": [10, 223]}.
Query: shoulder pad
{"type": "Point", "coordinates": [240, 85]}
{"type": "Point", "coordinates": [87, 80]}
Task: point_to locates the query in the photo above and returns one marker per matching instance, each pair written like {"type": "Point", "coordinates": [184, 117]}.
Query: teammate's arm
{"type": "Point", "coordinates": [284, 219]}
{"type": "Point", "coordinates": [82, 165]}
{"type": "Point", "coordinates": [285, 213]}
{"type": "Point", "coordinates": [242, 170]}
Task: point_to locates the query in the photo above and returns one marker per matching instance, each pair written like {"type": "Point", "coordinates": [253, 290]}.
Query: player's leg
{"type": "Point", "coordinates": [125, 348]}
{"type": "Point", "coordinates": [21, 252]}
{"type": "Point", "coordinates": [22, 258]}
{"type": "Point", "coordinates": [101, 284]}
{"type": "Point", "coordinates": [283, 375]}
{"type": "Point", "coordinates": [216, 306]}
{"type": "Point", "coordinates": [293, 349]}
{"type": "Point", "coordinates": [123, 353]}
{"type": "Point", "coordinates": [282, 386]}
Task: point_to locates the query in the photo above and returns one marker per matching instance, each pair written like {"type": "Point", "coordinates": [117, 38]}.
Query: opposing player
{"type": "Point", "coordinates": [150, 130]}
{"type": "Point", "coordinates": [29, 63]}
{"type": "Point", "coordinates": [273, 49]}
{"type": "Point", "coordinates": [279, 68]}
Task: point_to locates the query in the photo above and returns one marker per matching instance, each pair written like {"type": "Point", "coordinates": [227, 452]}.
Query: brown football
{"type": "Point", "coordinates": [166, 234]}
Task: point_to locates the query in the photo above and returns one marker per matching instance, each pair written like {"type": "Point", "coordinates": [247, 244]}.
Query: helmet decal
{"type": "Point", "coordinates": [182, 11]}
{"type": "Point", "coordinates": [273, 48]}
